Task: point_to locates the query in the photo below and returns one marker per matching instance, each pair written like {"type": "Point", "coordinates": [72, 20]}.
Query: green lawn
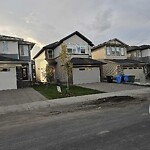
{"type": "Point", "coordinates": [51, 92]}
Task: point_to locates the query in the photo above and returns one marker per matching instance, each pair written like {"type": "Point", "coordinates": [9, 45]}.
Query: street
{"type": "Point", "coordinates": [111, 128]}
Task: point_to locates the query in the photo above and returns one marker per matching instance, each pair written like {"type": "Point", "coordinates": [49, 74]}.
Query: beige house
{"type": "Point", "coordinates": [85, 69]}
{"type": "Point", "coordinates": [114, 53]}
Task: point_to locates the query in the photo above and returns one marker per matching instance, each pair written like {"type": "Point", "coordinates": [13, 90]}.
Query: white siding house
{"type": "Point", "coordinates": [79, 47]}
{"type": "Point", "coordinates": [15, 62]}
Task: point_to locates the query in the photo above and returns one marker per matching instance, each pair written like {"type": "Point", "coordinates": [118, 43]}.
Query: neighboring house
{"type": "Point", "coordinates": [141, 53]}
{"type": "Point", "coordinates": [15, 62]}
{"type": "Point", "coordinates": [114, 53]}
{"type": "Point", "coordinates": [85, 69]}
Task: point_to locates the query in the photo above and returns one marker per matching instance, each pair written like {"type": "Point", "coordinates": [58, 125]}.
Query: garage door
{"type": "Point", "coordinates": [8, 78]}
{"type": "Point", "coordinates": [86, 75]}
{"type": "Point", "coordinates": [134, 71]}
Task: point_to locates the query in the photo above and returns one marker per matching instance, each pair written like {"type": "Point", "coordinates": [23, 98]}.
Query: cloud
{"type": "Point", "coordinates": [100, 20]}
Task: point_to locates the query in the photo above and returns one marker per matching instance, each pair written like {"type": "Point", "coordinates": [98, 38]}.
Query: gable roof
{"type": "Point", "coordinates": [86, 61]}
{"type": "Point", "coordinates": [57, 43]}
{"type": "Point", "coordinates": [108, 43]}
{"type": "Point", "coordinates": [142, 47]}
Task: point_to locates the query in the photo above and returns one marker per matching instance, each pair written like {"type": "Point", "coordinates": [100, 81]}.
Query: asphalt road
{"type": "Point", "coordinates": [119, 128]}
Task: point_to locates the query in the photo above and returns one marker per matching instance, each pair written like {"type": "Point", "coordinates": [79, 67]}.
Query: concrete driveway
{"type": "Point", "coordinates": [111, 87]}
{"type": "Point", "coordinates": [19, 96]}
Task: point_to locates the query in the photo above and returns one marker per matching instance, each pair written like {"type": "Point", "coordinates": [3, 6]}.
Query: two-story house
{"type": "Point", "coordinates": [15, 62]}
{"type": "Point", "coordinates": [114, 53]}
{"type": "Point", "coordinates": [141, 53]}
{"type": "Point", "coordinates": [85, 69]}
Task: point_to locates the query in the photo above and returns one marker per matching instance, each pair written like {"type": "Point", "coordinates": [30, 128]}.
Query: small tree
{"type": "Point", "coordinates": [49, 74]}
{"type": "Point", "coordinates": [66, 64]}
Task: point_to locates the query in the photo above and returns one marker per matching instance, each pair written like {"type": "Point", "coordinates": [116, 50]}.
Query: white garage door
{"type": "Point", "coordinates": [86, 75]}
{"type": "Point", "coordinates": [132, 71]}
{"type": "Point", "coordinates": [8, 78]}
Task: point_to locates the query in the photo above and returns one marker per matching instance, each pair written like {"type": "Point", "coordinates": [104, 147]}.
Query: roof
{"type": "Point", "coordinates": [10, 38]}
{"type": "Point", "coordinates": [86, 61]}
{"type": "Point", "coordinates": [20, 40]}
{"type": "Point", "coordinates": [108, 43]}
{"type": "Point", "coordinates": [142, 47]}
{"type": "Point", "coordinates": [2, 58]}
{"type": "Point", "coordinates": [57, 43]}
{"type": "Point", "coordinates": [126, 61]}
{"type": "Point", "coordinates": [8, 59]}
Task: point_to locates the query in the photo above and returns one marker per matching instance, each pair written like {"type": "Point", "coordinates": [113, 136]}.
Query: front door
{"type": "Point", "coordinates": [24, 73]}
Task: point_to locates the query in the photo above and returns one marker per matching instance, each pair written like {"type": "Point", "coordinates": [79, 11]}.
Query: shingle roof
{"type": "Point", "coordinates": [86, 61]}
{"type": "Point", "coordinates": [2, 58]}
{"type": "Point", "coordinates": [108, 43]}
{"type": "Point", "coordinates": [142, 47]}
{"type": "Point", "coordinates": [11, 60]}
{"type": "Point", "coordinates": [126, 61]}
{"type": "Point", "coordinates": [55, 44]}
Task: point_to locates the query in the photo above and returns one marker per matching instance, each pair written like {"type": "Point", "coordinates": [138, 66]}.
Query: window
{"type": "Point", "coordinates": [4, 69]}
{"type": "Point", "coordinates": [82, 50]}
{"type": "Point", "coordinates": [24, 50]}
{"type": "Point", "coordinates": [5, 46]}
{"type": "Point", "coordinates": [78, 49]}
{"type": "Point", "coordinates": [122, 52]}
{"type": "Point", "coordinates": [108, 51]}
{"type": "Point", "coordinates": [139, 54]}
{"type": "Point", "coordinates": [50, 54]}
{"type": "Point", "coordinates": [113, 50]}
{"type": "Point", "coordinates": [24, 73]}
{"type": "Point", "coordinates": [74, 50]}
{"type": "Point", "coordinates": [81, 69]}
{"type": "Point", "coordinates": [69, 50]}
{"type": "Point", "coordinates": [118, 50]}
{"type": "Point", "coordinates": [21, 50]}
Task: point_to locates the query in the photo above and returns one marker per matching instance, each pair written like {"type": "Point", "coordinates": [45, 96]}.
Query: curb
{"type": "Point", "coordinates": [68, 101]}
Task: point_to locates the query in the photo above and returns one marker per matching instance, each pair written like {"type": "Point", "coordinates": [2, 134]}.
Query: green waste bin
{"type": "Point", "coordinates": [131, 78]}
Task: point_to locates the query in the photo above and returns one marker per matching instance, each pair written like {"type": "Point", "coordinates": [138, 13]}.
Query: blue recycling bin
{"type": "Point", "coordinates": [126, 78]}
{"type": "Point", "coordinates": [119, 78]}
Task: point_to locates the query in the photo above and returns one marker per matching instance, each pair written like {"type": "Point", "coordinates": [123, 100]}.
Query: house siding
{"type": "Point", "coordinates": [99, 53]}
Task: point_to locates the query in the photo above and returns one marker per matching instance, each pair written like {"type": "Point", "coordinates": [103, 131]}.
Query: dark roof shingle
{"type": "Point", "coordinates": [126, 61]}
{"type": "Point", "coordinates": [86, 61]}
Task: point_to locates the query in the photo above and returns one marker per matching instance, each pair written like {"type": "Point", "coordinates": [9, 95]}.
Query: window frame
{"type": "Point", "coordinates": [52, 54]}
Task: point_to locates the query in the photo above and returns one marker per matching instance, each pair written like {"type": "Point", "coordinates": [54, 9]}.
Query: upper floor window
{"type": "Point", "coordinates": [5, 46]}
{"type": "Point", "coordinates": [69, 50]}
{"type": "Point", "coordinates": [50, 54]}
{"type": "Point", "coordinates": [24, 50]}
{"type": "Point", "coordinates": [113, 51]}
{"type": "Point", "coordinates": [76, 49]}
{"type": "Point", "coordinates": [108, 51]}
{"type": "Point", "coordinates": [139, 54]}
{"type": "Point", "coordinates": [82, 49]}
{"type": "Point", "coordinates": [118, 51]}
{"type": "Point", "coordinates": [122, 51]}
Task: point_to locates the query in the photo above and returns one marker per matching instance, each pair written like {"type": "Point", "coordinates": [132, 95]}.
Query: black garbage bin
{"type": "Point", "coordinates": [109, 79]}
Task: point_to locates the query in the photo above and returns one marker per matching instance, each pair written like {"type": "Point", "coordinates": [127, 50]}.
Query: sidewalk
{"type": "Point", "coordinates": [69, 101]}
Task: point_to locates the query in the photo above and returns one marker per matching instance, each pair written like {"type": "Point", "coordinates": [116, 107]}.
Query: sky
{"type": "Point", "coordinates": [47, 21]}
